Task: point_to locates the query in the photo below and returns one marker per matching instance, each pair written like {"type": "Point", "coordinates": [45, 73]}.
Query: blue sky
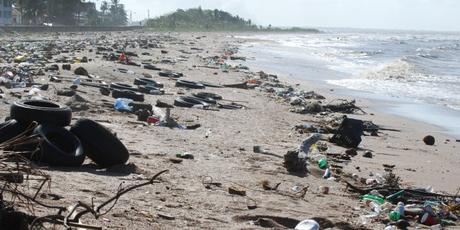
{"type": "Point", "coordinates": [381, 14]}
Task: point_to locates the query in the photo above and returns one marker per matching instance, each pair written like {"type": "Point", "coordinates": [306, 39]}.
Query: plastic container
{"type": "Point", "coordinates": [377, 199]}
{"type": "Point", "coordinates": [394, 216]}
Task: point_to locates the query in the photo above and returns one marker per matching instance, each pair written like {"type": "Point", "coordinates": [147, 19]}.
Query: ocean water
{"type": "Point", "coordinates": [418, 71]}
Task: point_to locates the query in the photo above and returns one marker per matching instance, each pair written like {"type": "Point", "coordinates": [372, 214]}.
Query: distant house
{"type": "Point", "coordinates": [6, 8]}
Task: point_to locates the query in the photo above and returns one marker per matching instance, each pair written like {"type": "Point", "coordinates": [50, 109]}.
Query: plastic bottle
{"type": "Point", "coordinates": [395, 195]}
{"type": "Point", "coordinates": [397, 213]}
{"type": "Point", "coordinates": [77, 81]}
{"type": "Point", "coordinates": [376, 208]}
{"type": "Point", "coordinates": [322, 163]}
{"type": "Point", "coordinates": [327, 173]}
{"type": "Point", "coordinates": [377, 199]}
{"type": "Point", "coordinates": [400, 208]}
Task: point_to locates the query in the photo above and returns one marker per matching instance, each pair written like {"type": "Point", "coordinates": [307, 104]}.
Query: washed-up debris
{"type": "Point", "coordinates": [343, 106]}
{"type": "Point", "coordinates": [266, 185]}
{"type": "Point", "coordinates": [81, 71]}
{"type": "Point", "coordinates": [293, 163]}
{"type": "Point", "coordinates": [236, 191]}
{"type": "Point", "coordinates": [349, 133]}
{"type": "Point", "coordinates": [185, 155]}
{"type": "Point", "coordinates": [429, 140]}
{"type": "Point", "coordinates": [368, 154]}
{"type": "Point", "coordinates": [307, 225]}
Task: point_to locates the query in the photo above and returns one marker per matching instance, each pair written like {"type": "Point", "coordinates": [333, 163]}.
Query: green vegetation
{"type": "Point", "coordinates": [71, 12]}
{"type": "Point", "coordinates": [197, 19]}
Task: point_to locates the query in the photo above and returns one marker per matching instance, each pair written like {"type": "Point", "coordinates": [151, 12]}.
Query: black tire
{"type": "Point", "coordinates": [208, 95]}
{"type": "Point", "coordinates": [122, 86]}
{"type": "Point", "coordinates": [189, 102]}
{"type": "Point", "coordinates": [149, 88]}
{"type": "Point", "coordinates": [135, 96]}
{"type": "Point", "coordinates": [146, 81]}
{"type": "Point", "coordinates": [10, 129]}
{"type": "Point", "coordinates": [189, 84]}
{"type": "Point", "coordinates": [151, 67]}
{"type": "Point", "coordinates": [170, 74]}
{"type": "Point", "coordinates": [229, 106]}
{"type": "Point", "coordinates": [59, 147]}
{"type": "Point", "coordinates": [100, 145]}
{"type": "Point", "coordinates": [43, 112]}
{"type": "Point", "coordinates": [207, 100]}
{"type": "Point", "coordinates": [211, 85]}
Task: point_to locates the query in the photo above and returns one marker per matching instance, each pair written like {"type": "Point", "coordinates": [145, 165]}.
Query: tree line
{"type": "Point", "coordinates": [199, 19]}
{"type": "Point", "coordinates": [71, 12]}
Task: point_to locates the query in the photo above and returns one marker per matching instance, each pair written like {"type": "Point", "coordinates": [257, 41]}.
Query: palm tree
{"type": "Point", "coordinates": [104, 7]}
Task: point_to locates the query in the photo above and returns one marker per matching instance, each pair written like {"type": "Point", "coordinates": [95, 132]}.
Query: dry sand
{"type": "Point", "coordinates": [226, 155]}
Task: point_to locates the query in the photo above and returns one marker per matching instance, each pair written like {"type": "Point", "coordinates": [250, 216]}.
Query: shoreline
{"type": "Point", "coordinates": [412, 130]}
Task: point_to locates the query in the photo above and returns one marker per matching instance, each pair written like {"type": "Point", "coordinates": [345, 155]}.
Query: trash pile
{"type": "Point", "coordinates": [385, 201]}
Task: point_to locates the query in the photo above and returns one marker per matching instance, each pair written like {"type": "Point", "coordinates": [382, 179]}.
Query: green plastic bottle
{"type": "Point", "coordinates": [377, 199]}
{"type": "Point", "coordinates": [322, 164]}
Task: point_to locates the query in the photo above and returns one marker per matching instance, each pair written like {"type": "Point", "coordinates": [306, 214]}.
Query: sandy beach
{"type": "Point", "coordinates": [185, 198]}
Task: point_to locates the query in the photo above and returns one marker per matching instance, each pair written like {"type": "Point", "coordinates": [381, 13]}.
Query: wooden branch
{"type": "Point", "coordinates": [96, 211]}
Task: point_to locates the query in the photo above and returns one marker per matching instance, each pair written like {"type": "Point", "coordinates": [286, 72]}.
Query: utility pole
{"type": "Point", "coordinates": [148, 14]}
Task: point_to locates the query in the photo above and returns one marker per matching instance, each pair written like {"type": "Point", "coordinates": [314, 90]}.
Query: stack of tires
{"type": "Point", "coordinates": [58, 146]}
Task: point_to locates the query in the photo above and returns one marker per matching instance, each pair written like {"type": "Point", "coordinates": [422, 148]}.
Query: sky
{"type": "Point", "coordinates": [378, 14]}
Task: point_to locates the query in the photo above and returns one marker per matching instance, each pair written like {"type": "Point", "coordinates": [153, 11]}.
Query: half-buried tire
{"type": "Point", "coordinates": [146, 81]}
{"type": "Point", "coordinates": [189, 102]}
{"type": "Point", "coordinates": [135, 96]}
{"type": "Point", "coordinates": [10, 129]}
{"type": "Point", "coordinates": [189, 84]}
{"type": "Point", "coordinates": [43, 112]}
{"type": "Point", "coordinates": [100, 145]}
{"type": "Point", "coordinates": [59, 147]}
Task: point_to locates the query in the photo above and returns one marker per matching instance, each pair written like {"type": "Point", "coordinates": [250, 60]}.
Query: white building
{"type": "Point", "coordinates": [6, 7]}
